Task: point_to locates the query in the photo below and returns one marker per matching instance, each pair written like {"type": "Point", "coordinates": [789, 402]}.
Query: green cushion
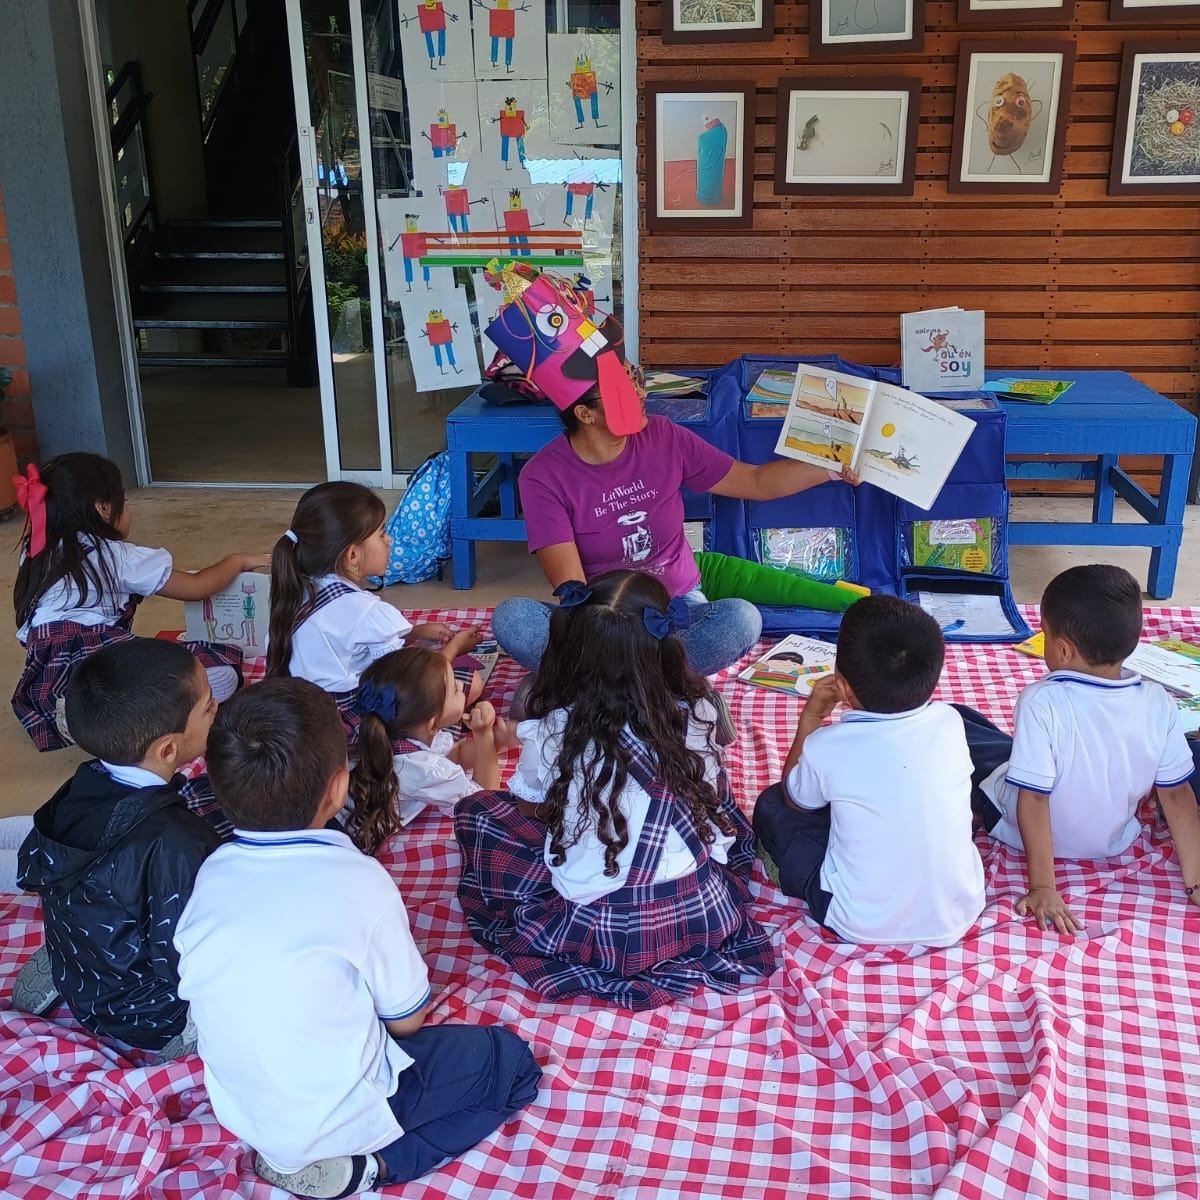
{"type": "Point", "coordinates": [723, 577]}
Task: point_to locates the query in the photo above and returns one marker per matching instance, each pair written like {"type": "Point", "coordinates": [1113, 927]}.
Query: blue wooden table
{"type": "Point", "coordinates": [1105, 415]}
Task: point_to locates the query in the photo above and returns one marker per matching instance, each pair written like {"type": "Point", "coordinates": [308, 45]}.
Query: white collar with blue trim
{"type": "Point", "coordinates": [861, 714]}
{"type": "Point", "coordinates": [1127, 679]}
{"type": "Point", "coordinates": [274, 838]}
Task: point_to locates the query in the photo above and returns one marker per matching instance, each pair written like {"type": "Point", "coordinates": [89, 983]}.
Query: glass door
{"type": "Point", "coordinates": [439, 137]}
{"type": "Point", "coordinates": [340, 227]}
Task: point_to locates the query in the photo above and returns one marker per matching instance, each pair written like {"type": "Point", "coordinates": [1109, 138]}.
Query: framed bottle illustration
{"type": "Point", "coordinates": [700, 156]}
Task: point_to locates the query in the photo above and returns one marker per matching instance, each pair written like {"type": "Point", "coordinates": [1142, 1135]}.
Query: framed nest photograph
{"type": "Point", "coordinates": [718, 20]}
{"type": "Point", "coordinates": [1156, 147]}
{"type": "Point", "coordinates": [846, 136]}
{"type": "Point", "coordinates": [1004, 14]}
{"type": "Point", "coordinates": [1153, 12]}
{"type": "Point", "coordinates": [699, 156]}
{"type": "Point", "coordinates": [1010, 119]}
{"type": "Point", "coordinates": [852, 27]}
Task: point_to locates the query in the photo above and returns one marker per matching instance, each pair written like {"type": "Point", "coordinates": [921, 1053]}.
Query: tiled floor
{"type": "Point", "coordinates": [199, 526]}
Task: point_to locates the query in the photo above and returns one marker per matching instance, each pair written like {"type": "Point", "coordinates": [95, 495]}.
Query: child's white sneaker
{"type": "Point", "coordinates": [35, 991]}
{"type": "Point", "coordinates": [327, 1177]}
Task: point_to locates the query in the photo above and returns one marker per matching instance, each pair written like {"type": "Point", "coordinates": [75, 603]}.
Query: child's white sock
{"type": "Point", "coordinates": [13, 831]}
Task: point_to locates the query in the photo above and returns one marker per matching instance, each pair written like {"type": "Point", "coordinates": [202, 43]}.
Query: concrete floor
{"type": "Point", "coordinates": [200, 526]}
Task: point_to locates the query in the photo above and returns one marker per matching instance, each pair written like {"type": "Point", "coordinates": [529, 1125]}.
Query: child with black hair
{"type": "Point", "coordinates": [407, 757]}
{"type": "Point", "coordinates": [618, 865]}
{"type": "Point", "coordinates": [1092, 740]}
{"type": "Point", "coordinates": [81, 579]}
{"type": "Point", "coordinates": [310, 1001]}
{"type": "Point", "coordinates": [325, 626]}
{"type": "Point", "coordinates": [115, 852]}
{"type": "Point", "coordinates": [871, 825]}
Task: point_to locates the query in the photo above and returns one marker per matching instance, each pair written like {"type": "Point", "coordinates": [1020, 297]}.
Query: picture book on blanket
{"type": "Point", "coordinates": [897, 440]}
{"type": "Point", "coordinates": [794, 665]}
{"type": "Point", "coordinates": [237, 616]}
{"type": "Point", "coordinates": [941, 350]}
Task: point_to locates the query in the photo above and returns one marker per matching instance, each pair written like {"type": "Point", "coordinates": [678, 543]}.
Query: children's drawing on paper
{"type": "Point", "coordinates": [458, 203]}
{"type": "Point", "coordinates": [587, 183]}
{"type": "Point", "coordinates": [585, 88]}
{"type": "Point", "coordinates": [441, 342]}
{"type": "Point", "coordinates": [445, 130]}
{"type": "Point", "coordinates": [510, 39]}
{"type": "Point", "coordinates": [867, 20]}
{"type": "Point", "coordinates": [514, 126]}
{"type": "Point", "coordinates": [521, 211]}
{"type": "Point", "coordinates": [699, 154]}
{"type": "Point", "coordinates": [839, 136]}
{"type": "Point", "coordinates": [831, 397]}
{"type": "Point", "coordinates": [1164, 139]}
{"type": "Point", "coordinates": [411, 228]}
{"type": "Point", "coordinates": [435, 38]}
{"type": "Point", "coordinates": [595, 284]}
{"type": "Point", "coordinates": [1013, 109]}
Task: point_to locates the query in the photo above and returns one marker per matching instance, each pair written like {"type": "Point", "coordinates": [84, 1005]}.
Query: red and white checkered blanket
{"type": "Point", "coordinates": [1017, 1064]}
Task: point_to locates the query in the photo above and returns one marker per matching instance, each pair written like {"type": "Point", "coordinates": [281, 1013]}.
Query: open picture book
{"type": "Point", "coordinates": [896, 439]}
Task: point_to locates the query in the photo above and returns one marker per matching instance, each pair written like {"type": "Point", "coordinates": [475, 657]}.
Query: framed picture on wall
{"type": "Point", "coordinates": [1156, 147]}
{"type": "Point", "coordinates": [846, 136]}
{"type": "Point", "coordinates": [718, 20]}
{"type": "Point", "coordinates": [1004, 14]}
{"type": "Point", "coordinates": [1154, 12]}
{"type": "Point", "coordinates": [699, 156]}
{"type": "Point", "coordinates": [1010, 119]}
{"type": "Point", "coordinates": [854, 27]}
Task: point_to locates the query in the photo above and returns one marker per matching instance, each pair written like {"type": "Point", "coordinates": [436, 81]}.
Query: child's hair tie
{"type": "Point", "coordinates": [658, 623]}
{"type": "Point", "coordinates": [31, 496]}
{"type": "Point", "coordinates": [290, 534]}
{"type": "Point", "coordinates": [572, 593]}
{"type": "Point", "coordinates": [377, 701]}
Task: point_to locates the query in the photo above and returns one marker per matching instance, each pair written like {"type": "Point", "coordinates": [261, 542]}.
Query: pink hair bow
{"type": "Point", "coordinates": [31, 496]}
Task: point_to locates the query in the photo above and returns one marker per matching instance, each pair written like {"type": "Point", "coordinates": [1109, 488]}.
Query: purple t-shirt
{"type": "Point", "coordinates": [627, 513]}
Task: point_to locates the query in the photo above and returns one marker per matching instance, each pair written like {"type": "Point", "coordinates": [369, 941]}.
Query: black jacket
{"type": "Point", "coordinates": [114, 867]}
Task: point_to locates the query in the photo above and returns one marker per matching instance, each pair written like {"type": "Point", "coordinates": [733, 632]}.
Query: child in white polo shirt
{"type": "Point", "coordinates": [308, 993]}
{"type": "Point", "coordinates": [871, 825]}
{"type": "Point", "coordinates": [1092, 740]}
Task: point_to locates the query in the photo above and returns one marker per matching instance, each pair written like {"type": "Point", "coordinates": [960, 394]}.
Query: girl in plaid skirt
{"type": "Point", "coordinates": [617, 865]}
{"type": "Point", "coordinates": [325, 627]}
{"type": "Point", "coordinates": [80, 581]}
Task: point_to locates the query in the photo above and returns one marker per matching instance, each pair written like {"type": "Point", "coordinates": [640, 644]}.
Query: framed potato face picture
{"type": "Point", "coordinates": [847, 136]}
{"type": "Point", "coordinates": [718, 20]}
{"type": "Point", "coordinates": [852, 27]}
{"type": "Point", "coordinates": [1010, 118]}
{"type": "Point", "coordinates": [699, 156]}
{"type": "Point", "coordinates": [1156, 148]}
{"type": "Point", "coordinates": [1005, 14]}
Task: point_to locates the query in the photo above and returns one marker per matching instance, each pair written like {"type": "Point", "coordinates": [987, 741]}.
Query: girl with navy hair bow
{"type": "Point", "coordinates": [617, 864]}
{"type": "Point", "coordinates": [408, 759]}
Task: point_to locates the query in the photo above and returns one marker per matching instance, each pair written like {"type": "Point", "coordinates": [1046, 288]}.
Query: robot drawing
{"type": "Point", "coordinates": [458, 206]}
{"type": "Point", "coordinates": [513, 127]}
{"type": "Point", "coordinates": [502, 27]}
{"type": "Point", "coordinates": [431, 17]}
{"type": "Point", "coordinates": [517, 223]}
{"type": "Point", "coordinates": [413, 246]}
{"type": "Point", "coordinates": [586, 87]}
{"type": "Point", "coordinates": [440, 334]}
{"type": "Point", "coordinates": [443, 136]}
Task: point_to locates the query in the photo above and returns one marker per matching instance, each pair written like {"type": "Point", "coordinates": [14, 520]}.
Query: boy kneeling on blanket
{"type": "Point", "coordinates": [1092, 740]}
{"type": "Point", "coordinates": [871, 825]}
{"type": "Point", "coordinates": [308, 993]}
{"type": "Point", "coordinates": [116, 850]}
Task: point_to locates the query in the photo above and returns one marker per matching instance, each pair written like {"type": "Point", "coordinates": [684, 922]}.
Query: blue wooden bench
{"type": "Point", "coordinates": [1106, 414]}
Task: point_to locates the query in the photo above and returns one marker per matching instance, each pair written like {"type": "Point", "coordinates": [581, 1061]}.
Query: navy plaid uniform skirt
{"type": "Point", "coordinates": [642, 946]}
{"type": "Point", "coordinates": [53, 652]}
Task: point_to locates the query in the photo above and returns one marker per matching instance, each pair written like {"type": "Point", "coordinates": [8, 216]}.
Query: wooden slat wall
{"type": "Point", "coordinates": [1081, 279]}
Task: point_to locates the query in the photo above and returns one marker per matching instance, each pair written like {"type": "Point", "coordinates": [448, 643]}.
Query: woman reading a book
{"type": "Point", "coordinates": [607, 494]}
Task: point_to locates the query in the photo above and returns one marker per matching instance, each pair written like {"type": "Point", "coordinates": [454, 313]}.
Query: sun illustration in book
{"type": "Point", "coordinates": [889, 430]}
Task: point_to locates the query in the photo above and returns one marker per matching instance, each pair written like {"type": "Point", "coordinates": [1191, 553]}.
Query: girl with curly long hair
{"type": "Point", "coordinates": [617, 864]}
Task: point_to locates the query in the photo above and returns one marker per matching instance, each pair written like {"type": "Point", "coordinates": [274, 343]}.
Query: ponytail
{"type": "Point", "coordinates": [375, 816]}
{"type": "Point", "coordinates": [329, 519]}
{"type": "Point", "coordinates": [291, 594]}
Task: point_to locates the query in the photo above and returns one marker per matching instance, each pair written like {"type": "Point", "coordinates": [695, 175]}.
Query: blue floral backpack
{"type": "Point", "coordinates": [420, 526]}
